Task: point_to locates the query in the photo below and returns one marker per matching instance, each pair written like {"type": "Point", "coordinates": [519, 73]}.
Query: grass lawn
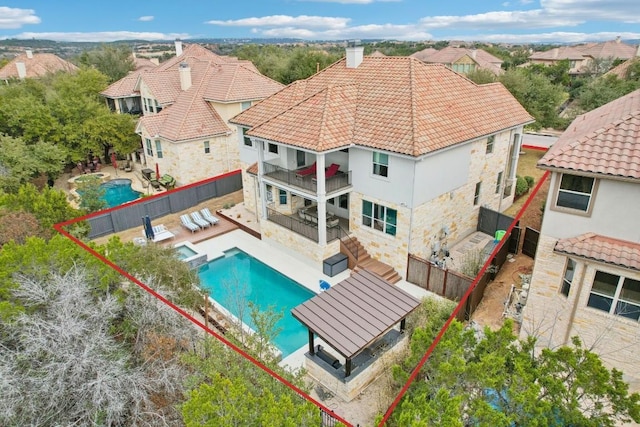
{"type": "Point", "coordinates": [526, 167]}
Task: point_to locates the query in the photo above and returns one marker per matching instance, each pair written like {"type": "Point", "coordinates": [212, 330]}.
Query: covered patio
{"type": "Point", "coordinates": [357, 318]}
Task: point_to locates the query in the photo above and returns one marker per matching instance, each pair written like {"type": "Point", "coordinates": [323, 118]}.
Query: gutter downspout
{"type": "Point", "coordinates": [574, 307]}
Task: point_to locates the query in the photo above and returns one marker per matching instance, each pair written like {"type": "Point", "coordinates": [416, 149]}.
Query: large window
{"type": "Point", "coordinates": [380, 164]}
{"type": "Point", "coordinates": [207, 148]}
{"type": "Point", "coordinates": [147, 142]}
{"type": "Point", "coordinates": [158, 148]}
{"type": "Point", "coordinates": [283, 197]}
{"type": "Point", "coordinates": [379, 217]}
{"type": "Point", "coordinates": [568, 277]}
{"type": "Point", "coordinates": [575, 192]}
{"type": "Point", "coordinates": [273, 148]}
{"type": "Point", "coordinates": [615, 295]}
{"type": "Point", "coordinates": [499, 182]}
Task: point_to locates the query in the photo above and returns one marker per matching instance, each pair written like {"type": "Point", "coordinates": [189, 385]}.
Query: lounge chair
{"type": "Point", "coordinates": [160, 233]}
{"type": "Point", "coordinates": [187, 223]}
{"type": "Point", "coordinates": [330, 171]}
{"type": "Point", "coordinates": [311, 170]}
{"type": "Point", "coordinates": [206, 214]}
{"type": "Point", "coordinates": [195, 216]}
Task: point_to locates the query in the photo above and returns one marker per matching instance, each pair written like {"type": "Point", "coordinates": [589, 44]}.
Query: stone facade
{"type": "Point", "coordinates": [554, 318]}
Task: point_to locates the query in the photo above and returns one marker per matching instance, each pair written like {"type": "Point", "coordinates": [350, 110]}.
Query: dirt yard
{"type": "Point", "coordinates": [489, 312]}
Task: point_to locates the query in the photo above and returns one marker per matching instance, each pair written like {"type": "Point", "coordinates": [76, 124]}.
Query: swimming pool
{"type": "Point", "coordinates": [119, 191]}
{"type": "Point", "coordinates": [237, 279]}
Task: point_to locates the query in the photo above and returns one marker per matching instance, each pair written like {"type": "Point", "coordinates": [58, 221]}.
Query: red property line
{"type": "Point", "coordinates": [462, 302]}
{"type": "Point", "coordinates": [61, 230]}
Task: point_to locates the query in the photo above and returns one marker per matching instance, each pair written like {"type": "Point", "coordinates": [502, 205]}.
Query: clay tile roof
{"type": "Point", "coordinates": [253, 169]}
{"type": "Point", "coordinates": [424, 53]}
{"type": "Point", "coordinates": [38, 65]}
{"type": "Point", "coordinates": [125, 87]}
{"type": "Point", "coordinates": [609, 49]}
{"type": "Point", "coordinates": [377, 53]}
{"type": "Point", "coordinates": [450, 55]}
{"type": "Point", "coordinates": [604, 141]}
{"type": "Point", "coordinates": [397, 104]}
{"type": "Point", "coordinates": [559, 53]}
{"type": "Point", "coordinates": [602, 248]}
{"type": "Point", "coordinates": [620, 70]}
{"type": "Point", "coordinates": [237, 82]}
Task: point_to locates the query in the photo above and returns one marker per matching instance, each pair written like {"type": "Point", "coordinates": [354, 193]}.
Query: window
{"type": "Point", "coordinates": [300, 158]}
{"type": "Point", "coordinates": [207, 149]}
{"type": "Point", "coordinates": [149, 147]}
{"type": "Point", "coordinates": [273, 148]}
{"type": "Point", "coordinates": [380, 164]}
{"type": "Point", "coordinates": [499, 182]}
{"type": "Point", "coordinates": [575, 192]}
{"type": "Point", "coordinates": [247, 140]}
{"type": "Point", "coordinates": [158, 107]}
{"type": "Point", "coordinates": [615, 295]}
{"type": "Point", "coordinates": [269, 193]}
{"type": "Point", "coordinates": [283, 197]}
{"type": "Point", "coordinates": [158, 148]}
{"type": "Point", "coordinates": [476, 195]}
{"type": "Point", "coordinates": [490, 141]}
{"type": "Point", "coordinates": [343, 201]}
{"type": "Point", "coordinates": [568, 277]}
{"type": "Point", "coordinates": [146, 106]}
{"type": "Point", "coordinates": [379, 217]}
{"type": "Point", "coordinates": [245, 105]}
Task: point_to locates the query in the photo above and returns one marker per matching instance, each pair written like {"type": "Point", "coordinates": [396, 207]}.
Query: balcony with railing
{"type": "Point", "coordinates": [307, 183]}
{"type": "Point", "coordinates": [305, 227]}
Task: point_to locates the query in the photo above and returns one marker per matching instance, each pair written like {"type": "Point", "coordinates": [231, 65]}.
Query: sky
{"type": "Point", "coordinates": [513, 21]}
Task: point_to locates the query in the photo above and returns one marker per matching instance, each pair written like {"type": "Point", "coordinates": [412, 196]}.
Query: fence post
{"type": "Point", "coordinates": [444, 283]}
{"type": "Point", "coordinates": [428, 275]}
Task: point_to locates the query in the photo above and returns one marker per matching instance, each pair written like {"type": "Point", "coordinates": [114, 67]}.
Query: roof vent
{"type": "Point", "coordinates": [22, 70]}
{"type": "Point", "coordinates": [29, 53]}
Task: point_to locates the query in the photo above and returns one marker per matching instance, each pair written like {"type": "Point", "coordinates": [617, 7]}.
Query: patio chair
{"type": "Point", "coordinates": [329, 172]}
{"type": "Point", "coordinates": [187, 223]}
{"type": "Point", "coordinates": [160, 233]}
{"type": "Point", "coordinates": [167, 181]}
{"type": "Point", "coordinates": [306, 171]}
{"type": "Point", "coordinates": [195, 216]}
{"type": "Point", "coordinates": [207, 215]}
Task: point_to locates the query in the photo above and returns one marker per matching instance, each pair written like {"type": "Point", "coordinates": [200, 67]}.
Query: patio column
{"type": "Point", "coordinates": [322, 200]}
{"type": "Point", "coordinates": [311, 345]}
{"type": "Point", "coordinates": [347, 367]}
{"type": "Point", "coordinates": [263, 187]}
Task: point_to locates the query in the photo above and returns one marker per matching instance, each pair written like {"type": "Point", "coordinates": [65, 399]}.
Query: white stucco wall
{"type": "Point", "coordinates": [616, 209]}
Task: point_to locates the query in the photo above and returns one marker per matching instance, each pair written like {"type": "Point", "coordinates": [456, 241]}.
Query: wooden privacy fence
{"type": "Point", "coordinates": [453, 285]}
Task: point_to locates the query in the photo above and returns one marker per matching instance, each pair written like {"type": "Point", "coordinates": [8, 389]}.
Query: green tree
{"type": "Point", "coordinates": [494, 379]}
{"type": "Point", "coordinates": [537, 94]}
{"type": "Point", "coordinates": [481, 76]}
{"type": "Point", "coordinates": [20, 162]}
{"type": "Point", "coordinates": [602, 91]}
{"type": "Point", "coordinates": [114, 61]}
{"type": "Point", "coordinates": [91, 193]}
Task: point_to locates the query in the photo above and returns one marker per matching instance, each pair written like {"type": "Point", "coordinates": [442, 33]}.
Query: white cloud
{"type": "Point", "coordinates": [146, 18]}
{"type": "Point", "coordinates": [626, 11]}
{"type": "Point", "coordinates": [507, 19]}
{"type": "Point", "coordinates": [11, 18]}
{"type": "Point", "coordinates": [104, 36]}
{"type": "Point", "coordinates": [551, 37]}
{"type": "Point", "coordinates": [285, 21]}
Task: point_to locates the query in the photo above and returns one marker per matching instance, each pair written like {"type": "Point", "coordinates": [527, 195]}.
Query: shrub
{"type": "Point", "coordinates": [521, 186]}
{"type": "Point", "coordinates": [530, 180]}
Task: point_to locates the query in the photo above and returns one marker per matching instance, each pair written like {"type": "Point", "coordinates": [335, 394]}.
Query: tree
{"type": "Point", "coordinates": [91, 193]}
{"type": "Point", "coordinates": [19, 162]}
{"type": "Point", "coordinates": [481, 76]}
{"type": "Point", "coordinates": [114, 61]}
{"type": "Point", "coordinates": [491, 378]}
{"type": "Point", "coordinates": [602, 91]}
{"type": "Point", "coordinates": [537, 95]}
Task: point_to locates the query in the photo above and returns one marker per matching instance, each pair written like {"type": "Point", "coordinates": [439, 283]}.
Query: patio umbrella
{"type": "Point", "coordinates": [148, 229]}
{"type": "Point", "coordinates": [157, 171]}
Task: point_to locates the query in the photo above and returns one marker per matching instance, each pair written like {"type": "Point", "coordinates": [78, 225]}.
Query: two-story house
{"type": "Point", "coordinates": [390, 151]}
{"type": "Point", "coordinates": [34, 65]}
{"type": "Point", "coordinates": [586, 277]}
{"type": "Point", "coordinates": [185, 104]}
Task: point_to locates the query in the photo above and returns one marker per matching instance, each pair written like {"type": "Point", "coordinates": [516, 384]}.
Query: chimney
{"type": "Point", "coordinates": [355, 52]}
{"type": "Point", "coordinates": [185, 76]}
{"type": "Point", "coordinates": [29, 53]}
{"type": "Point", "coordinates": [178, 44]}
{"type": "Point", "coordinates": [618, 39]}
{"type": "Point", "coordinates": [22, 70]}
{"type": "Point", "coordinates": [155, 60]}
{"type": "Point", "coordinates": [474, 53]}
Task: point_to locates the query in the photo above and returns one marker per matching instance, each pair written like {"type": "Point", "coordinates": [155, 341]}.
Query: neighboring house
{"type": "Point", "coordinates": [577, 58]}
{"type": "Point", "coordinates": [621, 70]}
{"type": "Point", "coordinates": [185, 104]}
{"type": "Point", "coordinates": [581, 57]}
{"type": "Point", "coordinates": [461, 59]}
{"type": "Point", "coordinates": [34, 65]}
{"type": "Point", "coordinates": [586, 277]}
{"type": "Point", "coordinates": [411, 151]}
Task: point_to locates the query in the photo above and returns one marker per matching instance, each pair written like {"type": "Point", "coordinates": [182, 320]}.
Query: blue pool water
{"type": "Point", "coordinates": [119, 191]}
{"type": "Point", "coordinates": [238, 278]}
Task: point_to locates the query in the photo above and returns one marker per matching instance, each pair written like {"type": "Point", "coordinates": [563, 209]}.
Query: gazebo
{"type": "Point", "coordinates": [356, 318]}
